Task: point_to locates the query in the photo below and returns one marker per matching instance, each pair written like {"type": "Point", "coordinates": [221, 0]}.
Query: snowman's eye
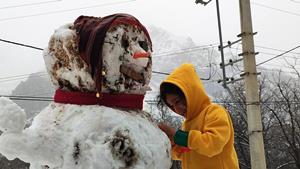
{"type": "Point", "coordinates": [125, 42]}
{"type": "Point", "coordinates": [144, 45]}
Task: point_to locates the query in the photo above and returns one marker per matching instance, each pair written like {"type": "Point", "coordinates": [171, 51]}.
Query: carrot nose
{"type": "Point", "coordinates": [141, 55]}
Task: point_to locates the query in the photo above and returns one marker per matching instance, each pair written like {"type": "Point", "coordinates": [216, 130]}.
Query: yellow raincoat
{"type": "Point", "coordinates": [211, 134]}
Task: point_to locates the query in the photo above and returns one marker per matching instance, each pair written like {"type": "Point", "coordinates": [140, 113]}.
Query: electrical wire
{"type": "Point", "coordinates": [24, 75]}
{"type": "Point", "coordinates": [276, 9]}
{"type": "Point", "coordinates": [29, 4]}
{"type": "Point", "coordinates": [21, 44]}
{"type": "Point", "coordinates": [162, 73]}
{"type": "Point", "coordinates": [273, 54]}
{"type": "Point", "coordinates": [9, 79]}
{"type": "Point", "coordinates": [63, 11]}
{"type": "Point", "coordinates": [268, 53]}
{"type": "Point", "coordinates": [27, 98]}
{"type": "Point", "coordinates": [298, 2]}
{"type": "Point", "coordinates": [191, 49]}
{"type": "Point", "coordinates": [280, 50]}
{"type": "Point", "coordinates": [276, 70]}
{"type": "Point", "coordinates": [278, 55]}
{"type": "Point", "coordinates": [169, 53]}
{"type": "Point", "coordinates": [30, 98]}
{"type": "Point", "coordinates": [156, 72]}
{"type": "Point", "coordinates": [186, 50]}
{"type": "Point", "coordinates": [41, 92]}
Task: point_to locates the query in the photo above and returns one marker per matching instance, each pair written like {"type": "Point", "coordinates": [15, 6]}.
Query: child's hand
{"type": "Point", "coordinates": [170, 131]}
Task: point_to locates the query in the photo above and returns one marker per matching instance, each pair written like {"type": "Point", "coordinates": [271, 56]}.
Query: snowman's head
{"type": "Point", "coordinates": [111, 54]}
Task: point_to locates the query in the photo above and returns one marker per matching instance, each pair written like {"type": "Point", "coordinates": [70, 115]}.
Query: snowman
{"type": "Point", "coordinates": [101, 68]}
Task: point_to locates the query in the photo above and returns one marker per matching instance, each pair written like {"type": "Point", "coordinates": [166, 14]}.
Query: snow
{"type": "Point", "coordinates": [113, 47]}
{"type": "Point", "coordinates": [88, 137]}
{"type": "Point", "coordinates": [63, 49]}
{"type": "Point", "coordinates": [13, 118]}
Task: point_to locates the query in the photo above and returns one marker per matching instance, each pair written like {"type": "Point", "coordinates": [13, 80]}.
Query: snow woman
{"type": "Point", "coordinates": [101, 68]}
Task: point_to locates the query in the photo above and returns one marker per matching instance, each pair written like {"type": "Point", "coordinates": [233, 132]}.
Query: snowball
{"type": "Point", "coordinates": [12, 117]}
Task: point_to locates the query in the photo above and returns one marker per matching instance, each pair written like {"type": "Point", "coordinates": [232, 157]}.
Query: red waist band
{"type": "Point", "coordinates": [128, 101]}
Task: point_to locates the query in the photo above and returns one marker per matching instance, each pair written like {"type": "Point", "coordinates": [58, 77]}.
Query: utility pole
{"type": "Point", "coordinates": [220, 40]}
{"type": "Point", "coordinates": [257, 152]}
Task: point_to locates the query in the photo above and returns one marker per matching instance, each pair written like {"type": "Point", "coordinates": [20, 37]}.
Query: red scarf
{"type": "Point", "coordinates": [128, 101]}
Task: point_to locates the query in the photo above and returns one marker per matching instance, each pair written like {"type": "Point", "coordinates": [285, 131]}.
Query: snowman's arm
{"type": "Point", "coordinates": [30, 147]}
{"type": "Point", "coordinates": [12, 116]}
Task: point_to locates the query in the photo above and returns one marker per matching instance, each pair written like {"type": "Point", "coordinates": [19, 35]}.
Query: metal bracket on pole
{"type": "Point", "coordinates": [248, 73]}
{"type": "Point", "coordinates": [232, 80]}
{"type": "Point", "coordinates": [229, 43]}
{"type": "Point", "coordinates": [254, 131]}
{"type": "Point", "coordinates": [222, 80]}
{"type": "Point", "coordinates": [202, 2]}
{"type": "Point", "coordinates": [230, 62]}
{"type": "Point", "coordinates": [248, 53]}
{"type": "Point", "coordinates": [246, 34]}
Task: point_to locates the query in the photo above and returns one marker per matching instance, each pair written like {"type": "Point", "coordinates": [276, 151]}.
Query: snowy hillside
{"type": "Point", "coordinates": [42, 88]}
{"type": "Point", "coordinates": [169, 51]}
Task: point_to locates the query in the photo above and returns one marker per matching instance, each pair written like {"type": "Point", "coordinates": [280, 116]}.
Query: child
{"type": "Point", "coordinates": [206, 139]}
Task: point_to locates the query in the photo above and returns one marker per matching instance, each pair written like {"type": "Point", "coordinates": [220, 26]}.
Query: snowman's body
{"type": "Point", "coordinates": [90, 136]}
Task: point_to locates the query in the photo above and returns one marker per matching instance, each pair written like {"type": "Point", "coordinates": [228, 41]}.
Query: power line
{"type": "Point", "coordinates": [157, 72]}
{"type": "Point", "coordinates": [24, 75]}
{"type": "Point", "coordinates": [273, 49]}
{"type": "Point", "coordinates": [277, 66]}
{"type": "Point", "coordinates": [278, 55]}
{"type": "Point", "coordinates": [182, 51]}
{"type": "Point", "coordinates": [162, 54]}
{"type": "Point", "coordinates": [237, 102]}
{"type": "Point", "coordinates": [163, 73]}
{"type": "Point", "coordinates": [268, 70]}
{"type": "Point", "coordinates": [67, 10]}
{"type": "Point", "coordinates": [20, 44]}
{"type": "Point", "coordinates": [274, 70]}
{"type": "Point", "coordinates": [298, 2]}
{"type": "Point", "coordinates": [280, 50]}
{"type": "Point", "coordinates": [30, 99]}
{"type": "Point", "coordinates": [13, 79]}
{"type": "Point", "coordinates": [286, 56]}
{"type": "Point", "coordinates": [29, 4]}
{"type": "Point", "coordinates": [33, 98]}
{"type": "Point", "coordinates": [40, 92]}
{"type": "Point", "coordinates": [27, 98]}
{"type": "Point", "coordinates": [280, 10]}
{"type": "Point", "coordinates": [186, 50]}
{"type": "Point", "coordinates": [191, 49]}
{"type": "Point", "coordinates": [273, 54]}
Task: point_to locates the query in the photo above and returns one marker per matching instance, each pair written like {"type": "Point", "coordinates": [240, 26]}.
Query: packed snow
{"type": "Point", "coordinates": [87, 137]}
{"type": "Point", "coordinates": [12, 117]}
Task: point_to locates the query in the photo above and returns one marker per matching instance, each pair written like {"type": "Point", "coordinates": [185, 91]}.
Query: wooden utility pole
{"type": "Point", "coordinates": [257, 152]}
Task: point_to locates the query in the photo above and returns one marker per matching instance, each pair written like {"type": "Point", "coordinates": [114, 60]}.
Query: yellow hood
{"type": "Point", "coordinates": [186, 78]}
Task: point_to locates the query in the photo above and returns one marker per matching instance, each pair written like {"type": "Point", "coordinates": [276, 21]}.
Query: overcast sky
{"type": "Point", "coordinates": [32, 22]}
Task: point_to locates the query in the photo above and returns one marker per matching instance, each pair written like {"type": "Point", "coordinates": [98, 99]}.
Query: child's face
{"type": "Point", "coordinates": [177, 104]}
